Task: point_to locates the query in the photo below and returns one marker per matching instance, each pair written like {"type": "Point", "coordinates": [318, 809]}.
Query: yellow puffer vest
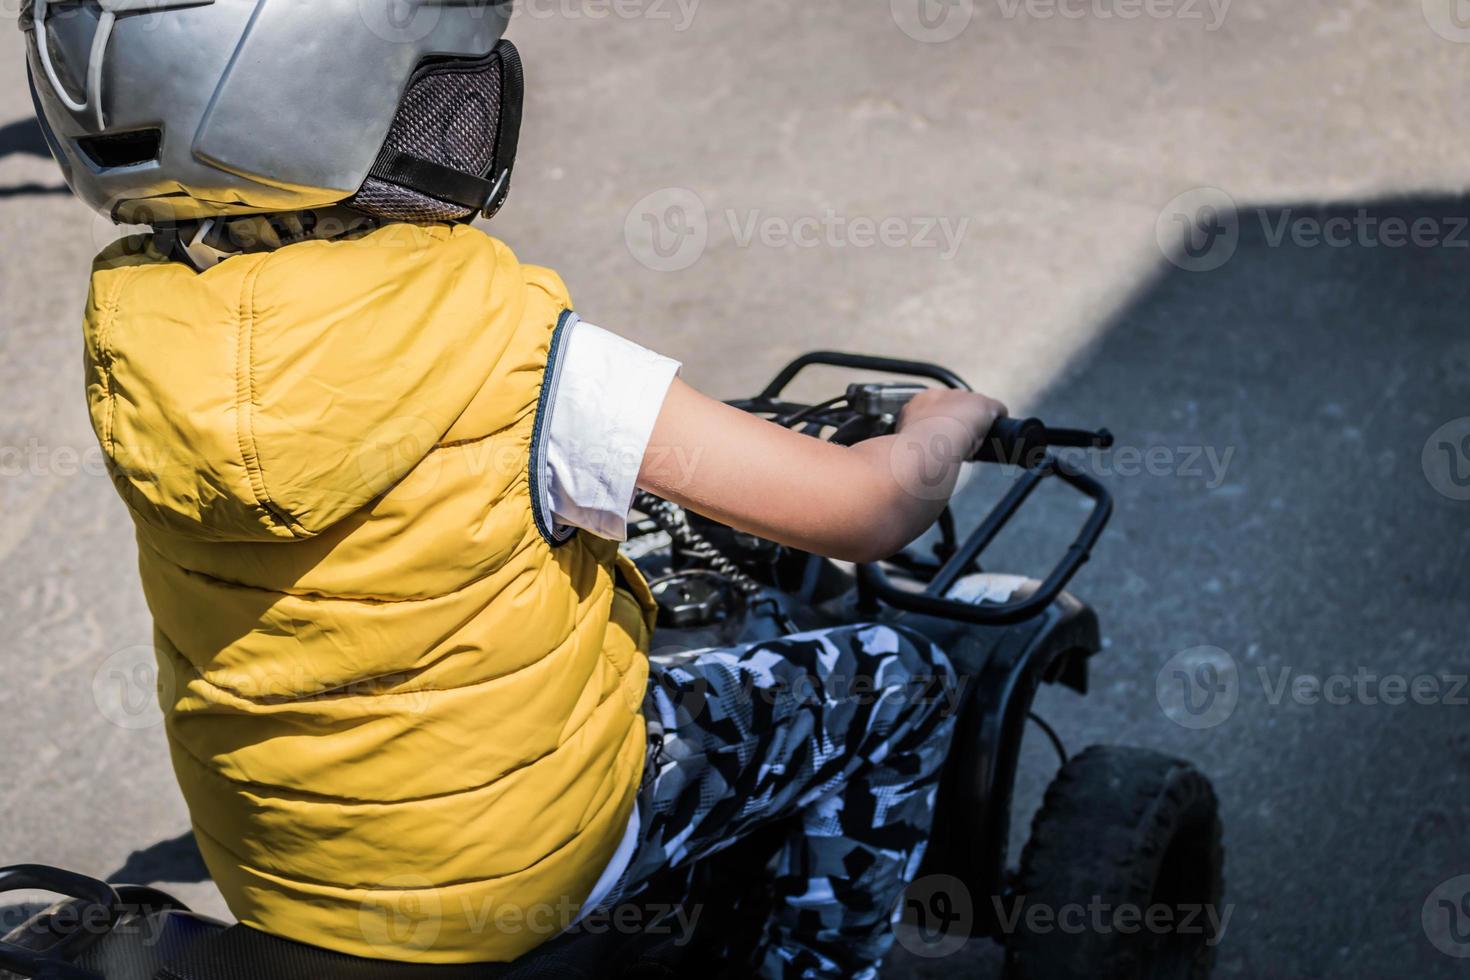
{"type": "Point", "coordinates": [406, 723]}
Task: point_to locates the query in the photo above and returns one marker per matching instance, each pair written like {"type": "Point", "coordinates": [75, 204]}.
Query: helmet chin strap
{"type": "Point", "coordinates": [202, 255]}
{"type": "Point", "coordinates": [205, 243]}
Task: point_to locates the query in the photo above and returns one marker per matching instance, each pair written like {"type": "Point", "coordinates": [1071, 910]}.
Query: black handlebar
{"type": "Point", "coordinates": [99, 913]}
{"type": "Point", "coordinates": [1024, 441]}
{"type": "Point", "coordinates": [874, 407]}
{"type": "Point", "coordinates": [859, 362]}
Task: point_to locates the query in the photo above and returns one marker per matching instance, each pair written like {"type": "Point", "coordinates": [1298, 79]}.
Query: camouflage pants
{"type": "Point", "coordinates": [845, 730]}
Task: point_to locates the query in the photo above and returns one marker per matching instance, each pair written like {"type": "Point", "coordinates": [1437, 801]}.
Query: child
{"type": "Point", "coordinates": [371, 459]}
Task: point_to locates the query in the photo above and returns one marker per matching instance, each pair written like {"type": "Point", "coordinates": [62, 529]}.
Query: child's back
{"type": "Point", "coordinates": [374, 641]}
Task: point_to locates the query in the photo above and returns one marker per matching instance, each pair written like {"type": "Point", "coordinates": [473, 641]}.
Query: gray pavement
{"type": "Point", "coordinates": [733, 184]}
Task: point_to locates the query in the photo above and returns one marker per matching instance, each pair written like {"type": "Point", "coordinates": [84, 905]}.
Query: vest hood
{"type": "Point", "coordinates": [277, 393]}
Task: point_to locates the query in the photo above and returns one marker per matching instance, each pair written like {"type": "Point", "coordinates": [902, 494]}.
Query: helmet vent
{"type": "Point", "coordinates": [112, 150]}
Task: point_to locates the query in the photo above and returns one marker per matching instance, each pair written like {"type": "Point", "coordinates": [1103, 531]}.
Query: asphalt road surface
{"type": "Point", "coordinates": [996, 185]}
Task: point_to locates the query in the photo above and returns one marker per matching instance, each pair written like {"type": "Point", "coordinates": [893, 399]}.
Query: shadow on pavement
{"type": "Point", "coordinates": [1322, 539]}
{"type": "Point", "coordinates": [1293, 488]}
{"type": "Point", "coordinates": [24, 136]}
{"type": "Point", "coordinates": [175, 860]}
{"type": "Point", "coordinates": [1285, 495]}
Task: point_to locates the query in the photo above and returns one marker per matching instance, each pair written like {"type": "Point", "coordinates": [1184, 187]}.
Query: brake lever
{"type": "Point", "coordinates": [882, 400]}
{"type": "Point", "coordinates": [1020, 442]}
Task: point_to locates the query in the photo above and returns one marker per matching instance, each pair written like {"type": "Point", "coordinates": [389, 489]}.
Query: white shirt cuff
{"type": "Point", "coordinates": [607, 394]}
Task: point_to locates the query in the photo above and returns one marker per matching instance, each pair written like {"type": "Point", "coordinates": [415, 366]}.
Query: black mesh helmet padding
{"type": "Point", "coordinates": [448, 115]}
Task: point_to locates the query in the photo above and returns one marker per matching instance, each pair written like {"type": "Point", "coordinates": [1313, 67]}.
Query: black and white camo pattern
{"type": "Point", "coordinates": [846, 730]}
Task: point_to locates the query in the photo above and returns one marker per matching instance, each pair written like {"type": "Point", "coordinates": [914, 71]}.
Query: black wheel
{"type": "Point", "coordinates": [1123, 875]}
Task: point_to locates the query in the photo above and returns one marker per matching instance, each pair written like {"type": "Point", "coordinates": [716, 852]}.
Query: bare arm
{"type": "Point", "coordinates": [857, 503]}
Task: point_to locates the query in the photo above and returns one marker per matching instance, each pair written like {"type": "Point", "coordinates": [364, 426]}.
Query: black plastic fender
{"type": "Point", "coordinates": [1002, 668]}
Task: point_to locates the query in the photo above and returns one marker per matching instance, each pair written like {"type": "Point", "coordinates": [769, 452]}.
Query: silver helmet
{"type": "Point", "coordinates": [164, 111]}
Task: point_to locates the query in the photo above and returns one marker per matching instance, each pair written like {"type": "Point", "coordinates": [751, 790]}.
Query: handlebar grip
{"type": "Point", "coordinates": [1018, 441]}
{"type": "Point", "coordinates": [1023, 442]}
